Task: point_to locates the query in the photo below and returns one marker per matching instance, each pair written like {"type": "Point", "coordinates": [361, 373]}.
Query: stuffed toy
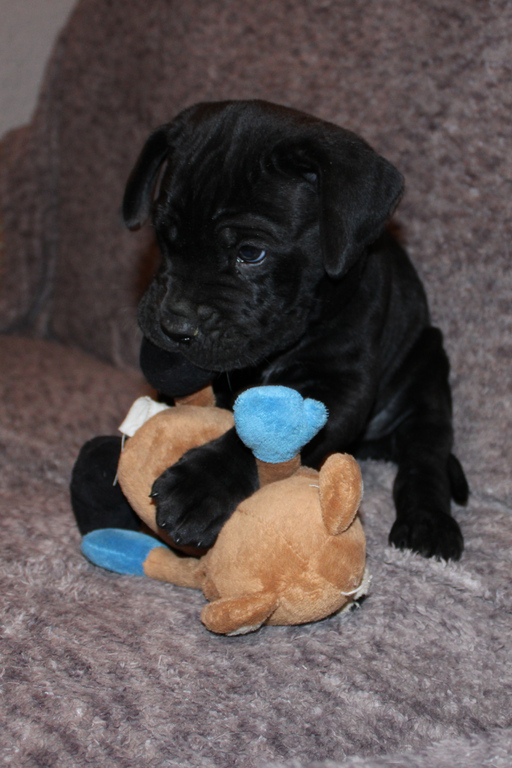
{"type": "Point", "coordinates": [291, 553]}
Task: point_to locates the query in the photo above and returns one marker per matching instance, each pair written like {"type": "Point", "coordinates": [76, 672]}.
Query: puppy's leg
{"type": "Point", "coordinates": [200, 492]}
{"type": "Point", "coordinates": [97, 501]}
{"type": "Point", "coordinates": [428, 474]}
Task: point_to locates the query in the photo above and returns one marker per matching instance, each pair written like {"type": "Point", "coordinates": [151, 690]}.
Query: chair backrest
{"type": "Point", "coordinates": [425, 84]}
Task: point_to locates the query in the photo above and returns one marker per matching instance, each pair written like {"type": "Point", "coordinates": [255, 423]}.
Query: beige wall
{"type": "Point", "coordinates": [28, 29]}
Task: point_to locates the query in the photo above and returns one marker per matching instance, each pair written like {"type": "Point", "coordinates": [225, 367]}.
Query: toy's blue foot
{"type": "Point", "coordinates": [119, 550]}
{"type": "Point", "coordinates": [275, 422]}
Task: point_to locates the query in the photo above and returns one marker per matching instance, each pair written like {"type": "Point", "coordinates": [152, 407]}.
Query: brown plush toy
{"type": "Point", "coordinates": [293, 552]}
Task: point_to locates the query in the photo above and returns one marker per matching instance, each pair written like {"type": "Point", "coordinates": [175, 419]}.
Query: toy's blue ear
{"type": "Point", "coordinates": [275, 422]}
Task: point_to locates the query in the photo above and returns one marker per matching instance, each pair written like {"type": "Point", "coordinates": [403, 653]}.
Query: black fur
{"type": "Point", "coordinates": [97, 500]}
{"type": "Point", "coordinates": [276, 268]}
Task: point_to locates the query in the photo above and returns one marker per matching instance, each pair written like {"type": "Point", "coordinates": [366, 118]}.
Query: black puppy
{"type": "Point", "coordinates": [276, 268]}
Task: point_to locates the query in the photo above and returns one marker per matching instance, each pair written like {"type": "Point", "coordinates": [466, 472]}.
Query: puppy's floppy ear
{"type": "Point", "coordinates": [140, 187]}
{"type": "Point", "coordinates": [358, 192]}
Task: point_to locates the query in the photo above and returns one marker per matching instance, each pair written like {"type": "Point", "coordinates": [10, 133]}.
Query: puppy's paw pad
{"type": "Point", "coordinates": [187, 508]}
{"type": "Point", "coordinates": [196, 496]}
{"type": "Point", "coordinates": [429, 535]}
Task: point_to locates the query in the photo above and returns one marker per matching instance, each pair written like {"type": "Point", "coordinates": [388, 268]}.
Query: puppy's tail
{"type": "Point", "coordinates": [459, 486]}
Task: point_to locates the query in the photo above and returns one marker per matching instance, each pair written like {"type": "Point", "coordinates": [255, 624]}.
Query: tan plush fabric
{"type": "Point", "coordinates": [291, 553]}
{"type": "Point", "coordinates": [277, 549]}
{"type": "Point", "coordinates": [163, 565]}
{"type": "Point", "coordinates": [340, 492]}
{"type": "Point", "coordinates": [204, 397]}
{"type": "Point", "coordinates": [269, 473]}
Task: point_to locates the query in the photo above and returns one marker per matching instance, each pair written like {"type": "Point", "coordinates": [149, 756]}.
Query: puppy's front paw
{"type": "Point", "coordinates": [430, 534]}
{"type": "Point", "coordinates": [196, 496]}
{"type": "Point", "coordinates": [190, 508]}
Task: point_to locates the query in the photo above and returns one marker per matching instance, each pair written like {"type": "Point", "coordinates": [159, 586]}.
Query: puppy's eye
{"type": "Point", "coordinates": [250, 254]}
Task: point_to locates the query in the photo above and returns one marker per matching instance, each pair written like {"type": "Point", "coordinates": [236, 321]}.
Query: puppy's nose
{"type": "Point", "coordinates": [178, 328]}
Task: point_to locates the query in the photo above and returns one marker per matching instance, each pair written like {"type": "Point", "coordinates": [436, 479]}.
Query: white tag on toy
{"type": "Point", "coordinates": [142, 410]}
{"type": "Point", "coordinates": [363, 588]}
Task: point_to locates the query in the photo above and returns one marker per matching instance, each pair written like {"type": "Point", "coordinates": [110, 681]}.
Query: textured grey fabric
{"type": "Point", "coordinates": [488, 750]}
{"type": "Point", "coordinates": [119, 671]}
{"type": "Point", "coordinates": [116, 671]}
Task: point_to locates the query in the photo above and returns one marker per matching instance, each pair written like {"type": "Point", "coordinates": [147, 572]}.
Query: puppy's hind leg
{"type": "Point", "coordinates": [428, 474]}
{"type": "Point", "coordinates": [97, 500]}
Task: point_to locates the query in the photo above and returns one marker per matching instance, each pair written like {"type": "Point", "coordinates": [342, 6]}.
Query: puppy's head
{"type": "Point", "coordinates": [254, 207]}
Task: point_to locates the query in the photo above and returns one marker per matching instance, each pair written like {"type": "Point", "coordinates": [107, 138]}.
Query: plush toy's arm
{"type": "Point", "coordinates": [136, 554]}
{"type": "Point", "coordinates": [275, 423]}
{"type": "Point", "coordinates": [347, 394]}
{"type": "Point", "coordinates": [238, 615]}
